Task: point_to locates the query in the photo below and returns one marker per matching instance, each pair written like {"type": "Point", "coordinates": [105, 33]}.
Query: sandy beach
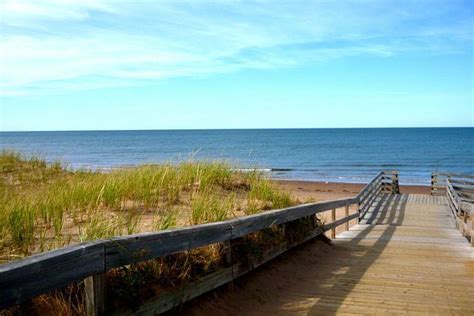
{"type": "Point", "coordinates": [312, 191]}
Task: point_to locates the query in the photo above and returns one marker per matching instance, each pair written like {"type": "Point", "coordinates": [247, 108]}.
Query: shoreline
{"type": "Point", "coordinates": [307, 191]}
{"type": "Point", "coordinates": [414, 181]}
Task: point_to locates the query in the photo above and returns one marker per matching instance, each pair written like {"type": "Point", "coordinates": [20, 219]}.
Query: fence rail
{"type": "Point", "coordinates": [462, 182]}
{"type": "Point", "coordinates": [460, 195]}
{"type": "Point", "coordinates": [29, 277]}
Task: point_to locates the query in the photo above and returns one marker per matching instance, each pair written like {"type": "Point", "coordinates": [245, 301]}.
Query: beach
{"type": "Point", "coordinates": [313, 191]}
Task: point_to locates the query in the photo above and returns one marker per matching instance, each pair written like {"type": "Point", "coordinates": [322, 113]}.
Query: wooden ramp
{"type": "Point", "coordinates": [406, 256]}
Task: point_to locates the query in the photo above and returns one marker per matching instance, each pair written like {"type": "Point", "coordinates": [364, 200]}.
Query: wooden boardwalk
{"type": "Point", "coordinates": [406, 256]}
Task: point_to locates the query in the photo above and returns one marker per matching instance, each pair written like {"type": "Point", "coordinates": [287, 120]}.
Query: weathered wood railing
{"type": "Point", "coordinates": [384, 182]}
{"type": "Point", "coordinates": [459, 190]}
{"type": "Point", "coordinates": [26, 278]}
{"type": "Point", "coordinates": [439, 183]}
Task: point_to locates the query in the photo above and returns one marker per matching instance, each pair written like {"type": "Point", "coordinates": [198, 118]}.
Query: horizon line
{"type": "Point", "coordinates": [227, 129]}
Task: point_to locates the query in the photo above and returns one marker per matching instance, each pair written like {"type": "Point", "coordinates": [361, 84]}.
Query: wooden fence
{"type": "Point", "coordinates": [24, 279]}
{"type": "Point", "coordinates": [459, 190]}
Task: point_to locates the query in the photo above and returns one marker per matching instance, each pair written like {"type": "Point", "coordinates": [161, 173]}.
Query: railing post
{"type": "Point", "coordinates": [229, 259]}
{"type": "Point", "coordinates": [228, 253]}
{"type": "Point", "coordinates": [333, 218]}
{"type": "Point", "coordinates": [472, 229]}
{"type": "Point", "coordinates": [385, 186]}
{"type": "Point", "coordinates": [94, 287]}
{"type": "Point", "coordinates": [434, 180]}
{"type": "Point", "coordinates": [358, 211]}
{"type": "Point", "coordinates": [395, 186]}
{"type": "Point", "coordinates": [347, 214]}
{"type": "Point", "coordinates": [463, 222]}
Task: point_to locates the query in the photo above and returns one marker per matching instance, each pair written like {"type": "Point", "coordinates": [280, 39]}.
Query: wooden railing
{"type": "Point", "coordinates": [439, 183]}
{"type": "Point", "coordinates": [24, 279]}
{"type": "Point", "coordinates": [459, 191]}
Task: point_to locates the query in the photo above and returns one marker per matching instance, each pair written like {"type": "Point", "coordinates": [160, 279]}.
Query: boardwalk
{"type": "Point", "coordinates": [405, 257]}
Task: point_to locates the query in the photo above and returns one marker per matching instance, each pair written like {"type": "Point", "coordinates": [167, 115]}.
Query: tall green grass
{"type": "Point", "coordinates": [43, 206]}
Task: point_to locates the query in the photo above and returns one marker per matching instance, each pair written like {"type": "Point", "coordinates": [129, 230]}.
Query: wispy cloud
{"type": "Point", "coordinates": [51, 44]}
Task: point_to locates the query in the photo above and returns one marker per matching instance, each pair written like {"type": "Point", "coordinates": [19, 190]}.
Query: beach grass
{"type": "Point", "coordinates": [44, 206]}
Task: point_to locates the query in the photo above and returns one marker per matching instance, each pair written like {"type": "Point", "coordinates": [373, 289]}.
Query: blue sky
{"type": "Point", "coordinates": [97, 64]}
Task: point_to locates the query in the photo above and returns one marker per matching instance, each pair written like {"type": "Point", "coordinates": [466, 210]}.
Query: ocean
{"type": "Point", "coordinates": [343, 155]}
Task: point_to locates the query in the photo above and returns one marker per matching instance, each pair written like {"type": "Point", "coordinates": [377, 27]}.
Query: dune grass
{"type": "Point", "coordinates": [45, 206]}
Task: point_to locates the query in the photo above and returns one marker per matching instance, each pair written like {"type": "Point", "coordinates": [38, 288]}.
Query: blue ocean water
{"type": "Point", "coordinates": [344, 155]}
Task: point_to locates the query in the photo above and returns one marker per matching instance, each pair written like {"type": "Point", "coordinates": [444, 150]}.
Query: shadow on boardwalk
{"type": "Point", "coordinates": [315, 278]}
{"type": "Point", "coordinates": [390, 212]}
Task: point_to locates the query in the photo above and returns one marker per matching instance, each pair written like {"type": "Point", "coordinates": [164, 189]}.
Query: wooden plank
{"type": "Point", "coordinates": [453, 192]}
{"type": "Point", "coordinates": [452, 207]}
{"type": "Point", "coordinates": [369, 200]}
{"type": "Point", "coordinates": [23, 279]}
{"type": "Point", "coordinates": [125, 250]}
{"type": "Point", "coordinates": [395, 185]}
{"type": "Point", "coordinates": [365, 208]}
{"type": "Point", "coordinates": [460, 175]}
{"type": "Point", "coordinates": [171, 299]}
{"type": "Point", "coordinates": [333, 219]}
{"type": "Point", "coordinates": [341, 221]}
{"type": "Point", "coordinates": [367, 196]}
{"type": "Point", "coordinates": [228, 259]}
{"type": "Point", "coordinates": [472, 231]}
{"type": "Point", "coordinates": [459, 201]}
{"type": "Point", "coordinates": [454, 175]}
{"type": "Point", "coordinates": [94, 288]}
{"type": "Point", "coordinates": [469, 198]}
{"type": "Point", "coordinates": [370, 189]}
{"type": "Point", "coordinates": [346, 213]}
{"type": "Point", "coordinates": [467, 207]}
{"type": "Point", "coordinates": [363, 191]}
{"type": "Point", "coordinates": [462, 225]}
{"type": "Point", "coordinates": [434, 181]}
{"type": "Point", "coordinates": [244, 225]}
{"type": "Point", "coordinates": [465, 182]}
{"type": "Point", "coordinates": [463, 188]}
{"type": "Point", "coordinates": [450, 197]}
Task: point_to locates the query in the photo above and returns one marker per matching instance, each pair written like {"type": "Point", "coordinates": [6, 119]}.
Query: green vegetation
{"type": "Point", "coordinates": [45, 206]}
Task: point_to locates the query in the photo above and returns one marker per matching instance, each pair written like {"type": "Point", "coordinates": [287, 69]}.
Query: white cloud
{"type": "Point", "coordinates": [82, 44]}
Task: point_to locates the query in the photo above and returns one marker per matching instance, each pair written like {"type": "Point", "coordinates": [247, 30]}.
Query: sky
{"type": "Point", "coordinates": [108, 65]}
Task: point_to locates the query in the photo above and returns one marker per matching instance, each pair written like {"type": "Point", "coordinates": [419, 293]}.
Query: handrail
{"type": "Point", "coordinates": [457, 194]}
{"type": "Point", "coordinates": [456, 175]}
{"type": "Point", "coordinates": [460, 180]}
{"type": "Point", "coordinates": [461, 208]}
{"type": "Point", "coordinates": [25, 278]}
{"type": "Point", "coordinates": [366, 188]}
